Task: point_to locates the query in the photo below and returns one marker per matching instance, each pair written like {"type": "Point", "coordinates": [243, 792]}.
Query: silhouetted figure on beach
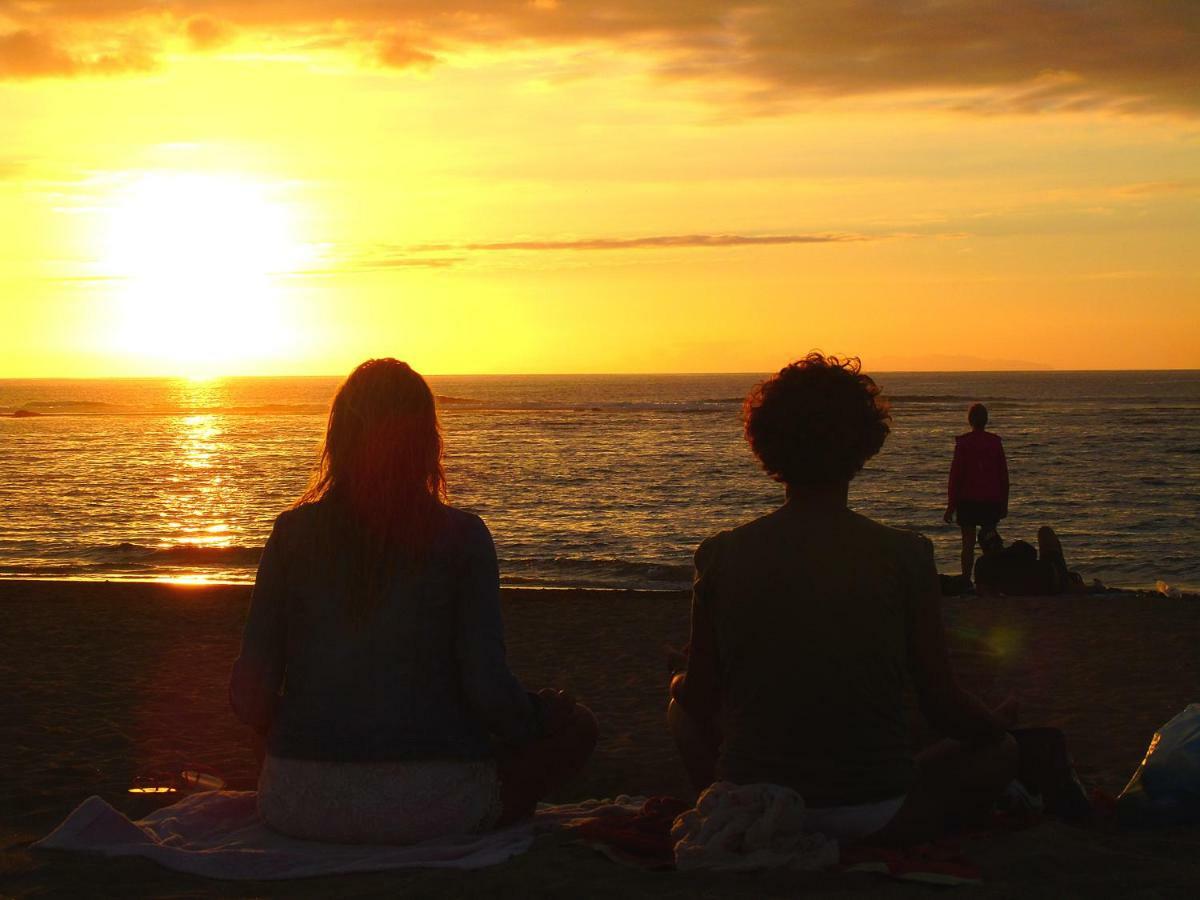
{"type": "Point", "coordinates": [978, 490]}
{"type": "Point", "coordinates": [373, 658]}
{"type": "Point", "coordinates": [808, 622]}
{"type": "Point", "coordinates": [1021, 571]}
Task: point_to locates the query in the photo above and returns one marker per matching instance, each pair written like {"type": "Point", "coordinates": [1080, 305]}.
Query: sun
{"type": "Point", "coordinates": [198, 261]}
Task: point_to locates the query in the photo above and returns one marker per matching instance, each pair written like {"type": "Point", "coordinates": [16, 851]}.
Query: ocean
{"type": "Point", "coordinates": [604, 481]}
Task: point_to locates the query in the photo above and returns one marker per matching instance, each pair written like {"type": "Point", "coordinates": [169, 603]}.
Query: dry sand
{"type": "Point", "coordinates": [100, 682]}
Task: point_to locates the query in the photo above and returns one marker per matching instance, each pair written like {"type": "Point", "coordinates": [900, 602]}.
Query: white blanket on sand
{"type": "Point", "coordinates": [219, 834]}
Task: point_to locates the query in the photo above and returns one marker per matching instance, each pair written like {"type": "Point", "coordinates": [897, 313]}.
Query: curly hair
{"type": "Point", "coordinates": [817, 421]}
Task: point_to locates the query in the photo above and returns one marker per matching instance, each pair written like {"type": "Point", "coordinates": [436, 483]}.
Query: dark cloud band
{"type": "Point", "coordinates": [983, 56]}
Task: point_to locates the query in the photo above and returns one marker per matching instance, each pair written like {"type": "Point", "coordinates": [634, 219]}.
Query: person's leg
{"type": "Point", "coordinates": [968, 550]}
{"type": "Point", "coordinates": [698, 755]}
{"type": "Point", "coordinates": [957, 784]}
{"type": "Point", "coordinates": [529, 772]}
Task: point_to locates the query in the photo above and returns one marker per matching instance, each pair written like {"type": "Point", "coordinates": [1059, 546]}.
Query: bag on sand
{"type": "Point", "coordinates": [1165, 789]}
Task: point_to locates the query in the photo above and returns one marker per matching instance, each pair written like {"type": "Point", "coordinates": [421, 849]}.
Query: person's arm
{"type": "Point", "coordinates": [491, 689]}
{"type": "Point", "coordinates": [953, 484]}
{"type": "Point", "coordinates": [949, 709]}
{"type": "Point", "coordinates": [698, 689]}
{"type": "Point", "coordinates": [258, 672]}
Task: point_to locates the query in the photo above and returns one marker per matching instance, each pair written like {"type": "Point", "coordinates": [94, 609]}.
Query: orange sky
{"type": "Point", "coordinates": [288, 187]}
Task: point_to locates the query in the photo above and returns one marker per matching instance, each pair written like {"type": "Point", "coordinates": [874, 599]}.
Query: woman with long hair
{"type": "Point", "coordinates": [373, 659]}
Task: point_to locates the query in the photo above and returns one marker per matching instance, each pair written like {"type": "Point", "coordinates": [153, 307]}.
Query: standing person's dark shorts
{"type": "Point", "coordinates": [979, 513]}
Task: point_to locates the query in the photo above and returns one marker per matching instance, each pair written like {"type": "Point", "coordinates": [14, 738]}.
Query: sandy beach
{"type": "Point", "coordinates": [100, 682]}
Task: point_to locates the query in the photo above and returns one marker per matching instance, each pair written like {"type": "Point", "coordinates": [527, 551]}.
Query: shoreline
{"type": "Point", "coordinates": [1188, 593]}
{"type": "Point", "coordinates": [188, 584]}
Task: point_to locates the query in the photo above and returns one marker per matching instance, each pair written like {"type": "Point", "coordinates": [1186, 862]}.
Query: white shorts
{"type": "Point", "coordinates": [378, 803]}
{"type": "Point", "coordinates": [851, 823]}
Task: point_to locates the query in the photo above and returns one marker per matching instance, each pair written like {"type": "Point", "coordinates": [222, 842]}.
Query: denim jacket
{"type": "Point", "coordinates": [424, 677]}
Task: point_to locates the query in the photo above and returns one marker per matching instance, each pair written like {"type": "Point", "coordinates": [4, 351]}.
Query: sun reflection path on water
{"type": "Point", "coordinates": [200, 498]}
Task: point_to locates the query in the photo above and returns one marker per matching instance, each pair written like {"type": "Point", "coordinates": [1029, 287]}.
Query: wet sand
{"type": "Point", "coordinates": [102, 682]}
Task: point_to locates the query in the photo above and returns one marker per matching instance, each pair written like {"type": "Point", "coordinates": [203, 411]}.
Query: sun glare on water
{"type": "Point", "coordinates": [198, 261]}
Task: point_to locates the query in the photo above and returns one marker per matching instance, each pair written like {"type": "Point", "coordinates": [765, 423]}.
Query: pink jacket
{"type": "Point", "coordinates": [979, 471]}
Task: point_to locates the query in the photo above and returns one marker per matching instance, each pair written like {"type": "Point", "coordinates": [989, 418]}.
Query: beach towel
{"type": "Point", "coordinates": [219, 834]}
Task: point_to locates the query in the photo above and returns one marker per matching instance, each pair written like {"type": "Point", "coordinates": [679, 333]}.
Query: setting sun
{"type": "Point", "coordinates": [197, 259]}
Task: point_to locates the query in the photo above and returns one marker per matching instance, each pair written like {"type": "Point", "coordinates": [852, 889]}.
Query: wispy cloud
{"type": "Point", "coordinates": [659, 242]}
{"type": "Point", "coordinates": [380, 262]}
{"type": "Point", "coordinates": [11, 168]}
{"type": "Point", "coordinates": [981, 56]}
{"type": "Point", "coordinates": [446, 255]}
{"type": "Point", "coordinates": [1182, 186]}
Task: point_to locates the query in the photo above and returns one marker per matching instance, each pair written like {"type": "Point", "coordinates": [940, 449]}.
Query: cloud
{"type": "Point", "coordinates": [399, 53]}
{"type": "Point", "coordinates": [664, 241]}
{"type": "Point", "coordinates": [441, 256]}
{"type": "Point", "coordinates": [32, 54]}
{"type": "Point", "coordinates": [208, 34]}
{"type": "Point", "coordinates": [12, 168]}
{"type": "Point", "coordinates": [380, 263]}
{"type": "Point", "coordinates": [979, 56]}
{"type": "Point", "coordinates": [1183, 186]}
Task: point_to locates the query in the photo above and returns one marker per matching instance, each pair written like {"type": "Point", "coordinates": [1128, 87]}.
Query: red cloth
{"type": "Point", "coordinates": [979, 471]}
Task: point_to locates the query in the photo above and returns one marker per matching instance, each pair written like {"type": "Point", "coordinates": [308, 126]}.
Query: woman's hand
{"type": "Point", "coordinates": [558, 708]}
{"type": "Point", "coordinates": [948, 516]}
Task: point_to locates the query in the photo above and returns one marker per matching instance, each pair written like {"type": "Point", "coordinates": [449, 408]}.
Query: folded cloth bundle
{"type": "Point", "coordinates": [737, 827]}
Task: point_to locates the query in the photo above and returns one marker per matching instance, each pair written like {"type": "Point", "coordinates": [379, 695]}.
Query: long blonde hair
{"type": "Point", "coordinates": [380, 475]}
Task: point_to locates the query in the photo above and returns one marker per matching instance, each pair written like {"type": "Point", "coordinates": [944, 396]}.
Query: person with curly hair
{"type": "Point", "coordinates": [808, 622]}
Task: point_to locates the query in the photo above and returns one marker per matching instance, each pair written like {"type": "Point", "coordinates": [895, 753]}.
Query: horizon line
{"type": "Point", "coordinates": [675, 374]}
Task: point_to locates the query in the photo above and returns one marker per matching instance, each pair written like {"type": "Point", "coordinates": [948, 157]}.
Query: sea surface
{"type": "Point", "coordinates": [597, 481]}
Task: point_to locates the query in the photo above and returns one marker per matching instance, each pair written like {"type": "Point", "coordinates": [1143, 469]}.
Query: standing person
{"type": "Point", "coordinates": [808, 623]}
{"type": "Point", "coordinates": [978, 488]}
{"type": "Point", "coordinates": [373, 658]}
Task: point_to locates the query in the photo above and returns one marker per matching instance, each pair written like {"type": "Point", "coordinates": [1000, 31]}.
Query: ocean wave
{"type": "Point", "coordinates": [126, 553]}
{"type": "Point", "coordinates": [175, 559]}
